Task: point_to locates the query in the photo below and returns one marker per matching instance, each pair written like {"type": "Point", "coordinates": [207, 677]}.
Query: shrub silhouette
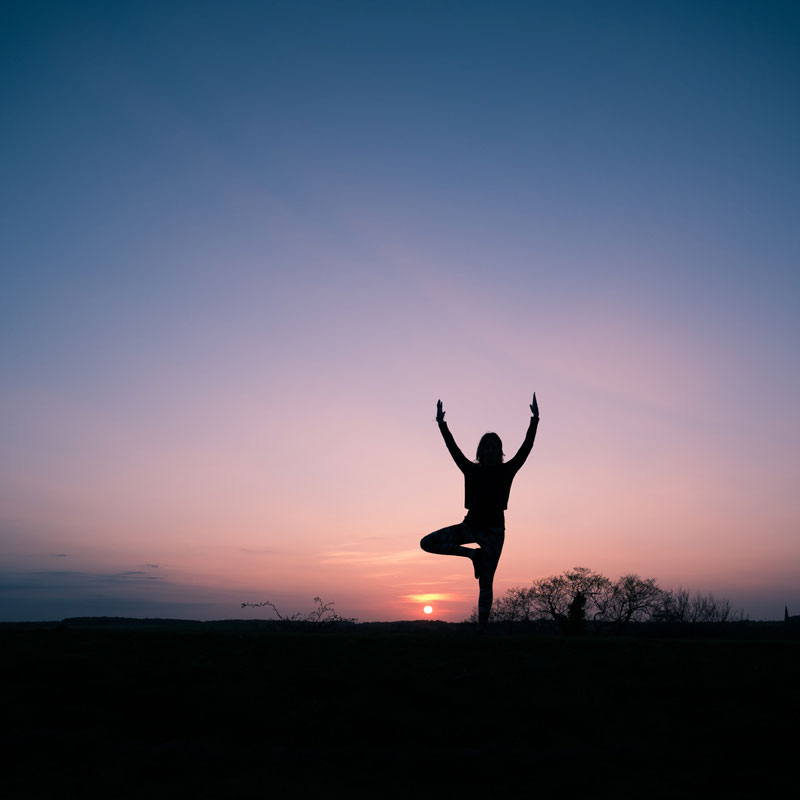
{"type": "Point", "coordinates": [322, 615]}
{"type": "Point", "coordinates": [680, 606]}
{"type": "Point", "coordinates": [580, 595]}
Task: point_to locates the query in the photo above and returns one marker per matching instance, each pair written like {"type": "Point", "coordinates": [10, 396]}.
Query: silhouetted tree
{"type": "Point", "coordinates": [675, 606]}
{"type": "Point", "coordinates": [576, 615]}
{"type": "Point", "coordinates": [709, 609]}
{"type": "Point", "coordinates": [516, 605]}
{"type": "Point", "coordinates": [581, 595]}
{"type": "Point", "coordinates": [631, 599]}
{"type": "Point", "coordinates": [551, 597]}
{"type": "Point", "coordinates": [680, 606]}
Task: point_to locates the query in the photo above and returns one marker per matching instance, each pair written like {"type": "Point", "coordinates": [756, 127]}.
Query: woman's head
{"type": "Point", "coordinates": [490, 450]}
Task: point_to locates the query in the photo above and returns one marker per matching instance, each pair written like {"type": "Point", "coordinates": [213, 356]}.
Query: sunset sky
{"type": "Point", "coordinates": [246, 246]}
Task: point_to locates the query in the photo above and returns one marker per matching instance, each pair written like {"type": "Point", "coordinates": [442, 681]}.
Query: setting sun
{"type": "Point", "coordinates": [428, 609]}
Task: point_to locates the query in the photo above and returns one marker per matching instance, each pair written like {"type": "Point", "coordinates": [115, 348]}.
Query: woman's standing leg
{"type": "Point", "coordinates": [491, 542]}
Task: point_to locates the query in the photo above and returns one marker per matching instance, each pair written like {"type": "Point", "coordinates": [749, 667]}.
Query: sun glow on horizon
{"type": "Point", "coordinates": [428, 609]}
{"type": "Point", "coordinates": [428, 597]}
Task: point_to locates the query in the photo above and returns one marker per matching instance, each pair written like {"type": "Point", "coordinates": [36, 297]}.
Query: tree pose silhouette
{"type": "Point", "coordinates": [487, 484]}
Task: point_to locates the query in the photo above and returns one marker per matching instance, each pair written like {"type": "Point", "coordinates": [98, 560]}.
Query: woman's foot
{"type": "Point", "coordinates": [477, 561]}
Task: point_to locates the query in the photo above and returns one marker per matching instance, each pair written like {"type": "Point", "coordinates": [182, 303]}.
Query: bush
{"type": "Point", "coordinates": [581, 595]}
{"type": "Point", "coordinates": [680, 606]}
{"type": "Point", "coordinates": [323, 614]}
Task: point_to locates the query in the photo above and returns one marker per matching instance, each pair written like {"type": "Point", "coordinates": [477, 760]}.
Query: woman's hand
{"type": "Point", "coordinates": [440, 412]}
{"type": "Point", "coordinates": [534, 407]}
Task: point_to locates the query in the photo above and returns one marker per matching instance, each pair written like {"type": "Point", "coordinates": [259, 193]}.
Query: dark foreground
{"type": "Point", "coordinates": [411, 711]}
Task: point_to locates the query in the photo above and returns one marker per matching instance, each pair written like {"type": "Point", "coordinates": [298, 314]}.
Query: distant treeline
{"type": "Point", "coordinates": [580, 597]}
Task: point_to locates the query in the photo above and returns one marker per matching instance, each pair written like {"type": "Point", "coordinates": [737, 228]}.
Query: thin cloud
{"type": "Point", "coordinates": [47, 555]}
{"type": "Point", "coordinates": [365, 558]}
{"type": "Point", "coordinates": [437, 582]}
{"type": "Point", "coordinates": [68, 580]}
{"type": "Point", "coordinates": [57, 594]}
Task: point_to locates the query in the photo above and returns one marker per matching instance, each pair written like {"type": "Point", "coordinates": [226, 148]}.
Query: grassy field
{"type": "Point", "coordinates": [392, 711]}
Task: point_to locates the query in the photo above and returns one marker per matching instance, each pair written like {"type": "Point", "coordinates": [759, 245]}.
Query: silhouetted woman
{"type": "Point", "coordinates": [487, 483]}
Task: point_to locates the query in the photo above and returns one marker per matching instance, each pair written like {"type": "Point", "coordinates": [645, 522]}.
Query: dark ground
{"type": "Point", "coordinates": [118, 710]}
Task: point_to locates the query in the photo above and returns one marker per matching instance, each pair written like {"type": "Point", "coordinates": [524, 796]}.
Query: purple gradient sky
{"type": "Point", "coordinates": [246, 246]}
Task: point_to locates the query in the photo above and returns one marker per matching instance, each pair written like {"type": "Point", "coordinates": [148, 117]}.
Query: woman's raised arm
{"type": "Point", "coordinates": [462, 462]}
{"type": "Point", "coordinates": [525, 448]}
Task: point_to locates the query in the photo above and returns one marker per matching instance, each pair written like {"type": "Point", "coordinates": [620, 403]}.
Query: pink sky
{"type": "Point", "coordinates": [319, 477]}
